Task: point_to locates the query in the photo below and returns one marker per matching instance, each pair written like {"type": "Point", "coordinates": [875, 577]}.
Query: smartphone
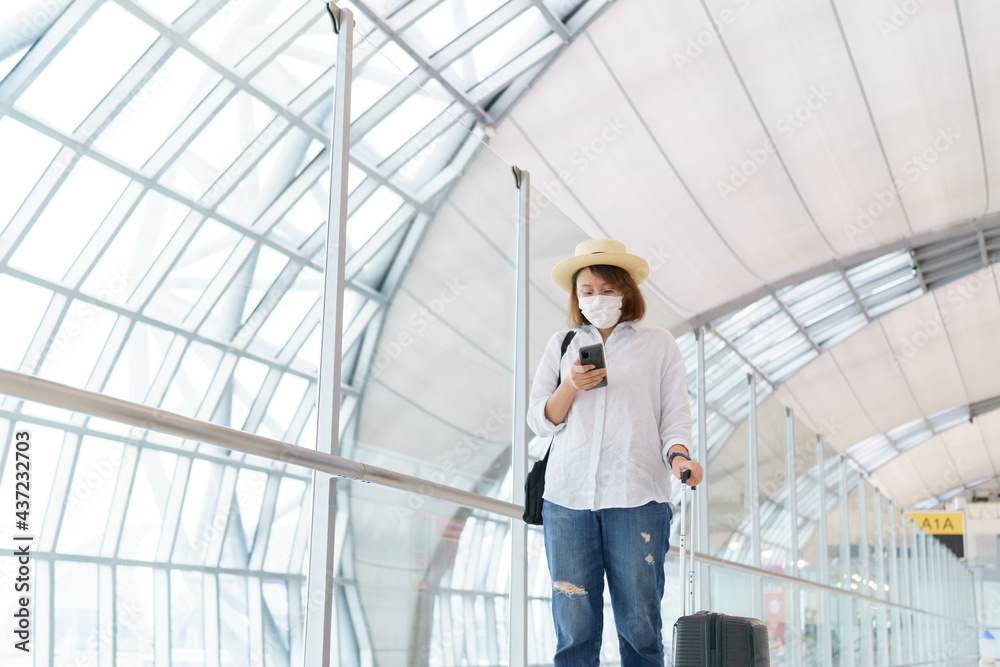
{"type": "Point", "coordinates": [594, 354]}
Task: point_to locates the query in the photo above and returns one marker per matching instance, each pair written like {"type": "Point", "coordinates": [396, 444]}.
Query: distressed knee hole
{"type": "Point", "coordinates": [645, 536]}
{"type": "Point", "coordinates": [568, 589]}
{"type": "Point", "coordinates": [649, 559]}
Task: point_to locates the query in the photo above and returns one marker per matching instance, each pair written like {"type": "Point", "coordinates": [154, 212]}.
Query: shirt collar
{"type": "Point", "coordinates": [631, 323]}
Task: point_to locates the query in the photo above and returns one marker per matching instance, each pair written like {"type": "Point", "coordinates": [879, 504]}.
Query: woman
{"type": "Point", "coordinates": [605, 507]}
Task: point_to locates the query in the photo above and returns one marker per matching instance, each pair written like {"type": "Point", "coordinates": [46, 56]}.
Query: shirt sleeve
{"type": "Point", "coordinates": [543, 386]}
{"type": "Point", "coordinates": [675, 406]}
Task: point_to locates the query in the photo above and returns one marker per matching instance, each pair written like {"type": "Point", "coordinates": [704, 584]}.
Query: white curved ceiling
{"type": "Point", "coordinates": [787, 136]}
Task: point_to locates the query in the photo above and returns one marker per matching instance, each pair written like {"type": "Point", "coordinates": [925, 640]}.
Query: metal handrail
{"type": "Point", "coordinates": [31, 388]}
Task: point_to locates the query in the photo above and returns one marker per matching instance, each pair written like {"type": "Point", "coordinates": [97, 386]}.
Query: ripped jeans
{"type": "Point", "coordinates": [629, 544]}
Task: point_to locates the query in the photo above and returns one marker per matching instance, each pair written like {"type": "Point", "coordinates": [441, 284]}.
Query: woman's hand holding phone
{"type": "Point", "coordinates": [583, 377]}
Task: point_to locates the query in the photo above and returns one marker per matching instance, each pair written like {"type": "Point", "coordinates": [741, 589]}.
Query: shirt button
{"type": "Point", "coordinates": [598, 433]}
{"type": "Point", "coordinates": [600, 405]}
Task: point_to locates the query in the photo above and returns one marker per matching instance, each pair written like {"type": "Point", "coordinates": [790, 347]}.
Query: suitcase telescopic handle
{"type": "Point", "coordinates": [686, 573]}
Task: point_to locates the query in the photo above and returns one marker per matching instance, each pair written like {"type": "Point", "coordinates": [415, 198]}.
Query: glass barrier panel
{"type": "Point", "coordinates": [728, 497]}
{"type": "Point", "coordinates": [807, 500]}
{"type": "Point", "coordinates": [147, 544]}
{"type": "Point", "coordinates": [781, 630]}
{"type": "Point", "coordinates": [772, 486]}
{"type": "Point", "coordinates": [834, 523]}
{"type": "Point", "coordinates": [811, 627]}
{"type": "Point", "coordinates": [439, 356]}
{"type": "Point", "coordinates": [732, 591]}
{"type": "Point", "coordinates": [423, 581]}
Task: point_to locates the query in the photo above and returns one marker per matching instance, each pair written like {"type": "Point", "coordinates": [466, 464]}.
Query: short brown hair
{"type": "Point", "coordinates": [633, 305]}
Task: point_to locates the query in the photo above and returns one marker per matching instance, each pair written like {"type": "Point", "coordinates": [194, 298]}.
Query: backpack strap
{"type": "Point", "coordinates": [565, 346]}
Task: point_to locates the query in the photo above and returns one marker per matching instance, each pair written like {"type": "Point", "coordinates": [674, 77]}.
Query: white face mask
{"type": "Point", "coordinates": [602, 311]}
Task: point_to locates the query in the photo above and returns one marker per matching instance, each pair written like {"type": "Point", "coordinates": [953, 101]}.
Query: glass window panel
{"type": "Point", "coordinates": [200, 523]}
{"type": "Point", "coordinates": [373, 78]}
{"type": "Point", "coordinates": [76, 591]}
{"type": "Point", "coordinates": [95, 477]}
{"type": "Point", "coordinates": [299, 65]}
{"type": "Point", "coordinates": [499, 48]}
{"type": "Point", "coordinates": [249, 498]}
{"type": "Point", "coordinates": [305, 217]}
{"type": "Point", "coordinates": [289, 313]}
{"type": "Point", "coordinates": [135, 247]}
{"type": "Point", "coordinates": [77, 344]}
{"type": "Point", "coordinates": [193, 271]}
{"type": "Point", "coordinates": [276, 601]}
{"type": "Point", "coordinates": [257, 189]}
{"type": "Point", "coordinates": [168, 10]}
{"type": "Point", "coordinates": [156, 110]}
{"type": "Point", "coordinates": [197, 370]}
{"type": "Point", "coordinates": [286, 519]}
{"type": "Point", "coordinates": [135, 597]}
{"type": "Point", "coordinates": [282, 407]}
{"type": "Point", "coordinates": [11, 61]}
{"type": "Point", "coordinates": [25, 304]}
{"type": "Point", "coordinates": [218, 145]}
{"type": "Point", "coordinates": [234, 621]}
{"type": "Point", "coordinates": [138, 363]}
{"type": "Point", "coordinates": [238, 27]}
{"type": "Point", "coordinates": [187, 627]}
{"type": "Point", "coordinates": [72, 216]}
{"type": "Point", "coordinates": [308, 354]}
{"type": "Point", "coordinates": [147, 505]}
{"type": "Point", "coordinates": [34, 152]}
{"type": "Point", "coordinates": [83, 72]}
{"type": "Point", "coordinates": [447, 21]}
{"type": "Point", "coordinates": [268, 266]}
{"type": "Point", "coordinates": [371, 215]}
{"type": "Point", "coordinates": [248, 377]}
{"type": "Point", "coordinates": [399, 126]}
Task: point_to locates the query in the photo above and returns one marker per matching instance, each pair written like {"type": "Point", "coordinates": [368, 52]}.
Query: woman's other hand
{"type": "Point", "coordinates": [697, 473]}
{"type": "Point", "coordinates": [584, 377]}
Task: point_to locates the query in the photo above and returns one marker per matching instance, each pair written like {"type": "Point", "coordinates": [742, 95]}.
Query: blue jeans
{"type": "Point", "coordinates": [629, 544]}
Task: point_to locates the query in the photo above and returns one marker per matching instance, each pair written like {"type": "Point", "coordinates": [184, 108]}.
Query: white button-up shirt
{"type": "Point", "coordinates": [611, 450]}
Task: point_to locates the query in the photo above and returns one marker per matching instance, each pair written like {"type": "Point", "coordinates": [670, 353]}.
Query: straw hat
{"type": "Point", "coordinates": [599, 251]}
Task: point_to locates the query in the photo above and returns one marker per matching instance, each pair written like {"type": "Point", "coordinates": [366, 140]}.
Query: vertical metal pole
{"type": "Point", "coordinates": [880, 592]}
{"type": "Point", "coordinates": [826, 636]}
{"type": "Point", "coordinates": [864, 557]}
{"type": "Point", "coordinates": [701, 492]}
{"type": "Point", "coordinates": [895, 587]}
{"type": "Point", "coordinates": [753, 497]}
{"type": "Point", "coordinates": [320, 640]}
{"type": "Point", "coordinates": [793, 533]}
{"type": "Point", "coordinates": [847, 602]}
{"type": "Point", "coordinates": [519, 534]}
{"type": "Point", "coordinates": [906, 591]}
{"type": "Point", "coordinates": [922, 578]}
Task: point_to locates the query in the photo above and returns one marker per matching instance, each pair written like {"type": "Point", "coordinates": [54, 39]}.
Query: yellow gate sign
{"type": "Point", "coordinates": [939, 523]}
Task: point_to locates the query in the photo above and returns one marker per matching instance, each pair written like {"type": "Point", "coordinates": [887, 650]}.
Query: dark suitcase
{"type": "Point", "coordinates": [706, 639]}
